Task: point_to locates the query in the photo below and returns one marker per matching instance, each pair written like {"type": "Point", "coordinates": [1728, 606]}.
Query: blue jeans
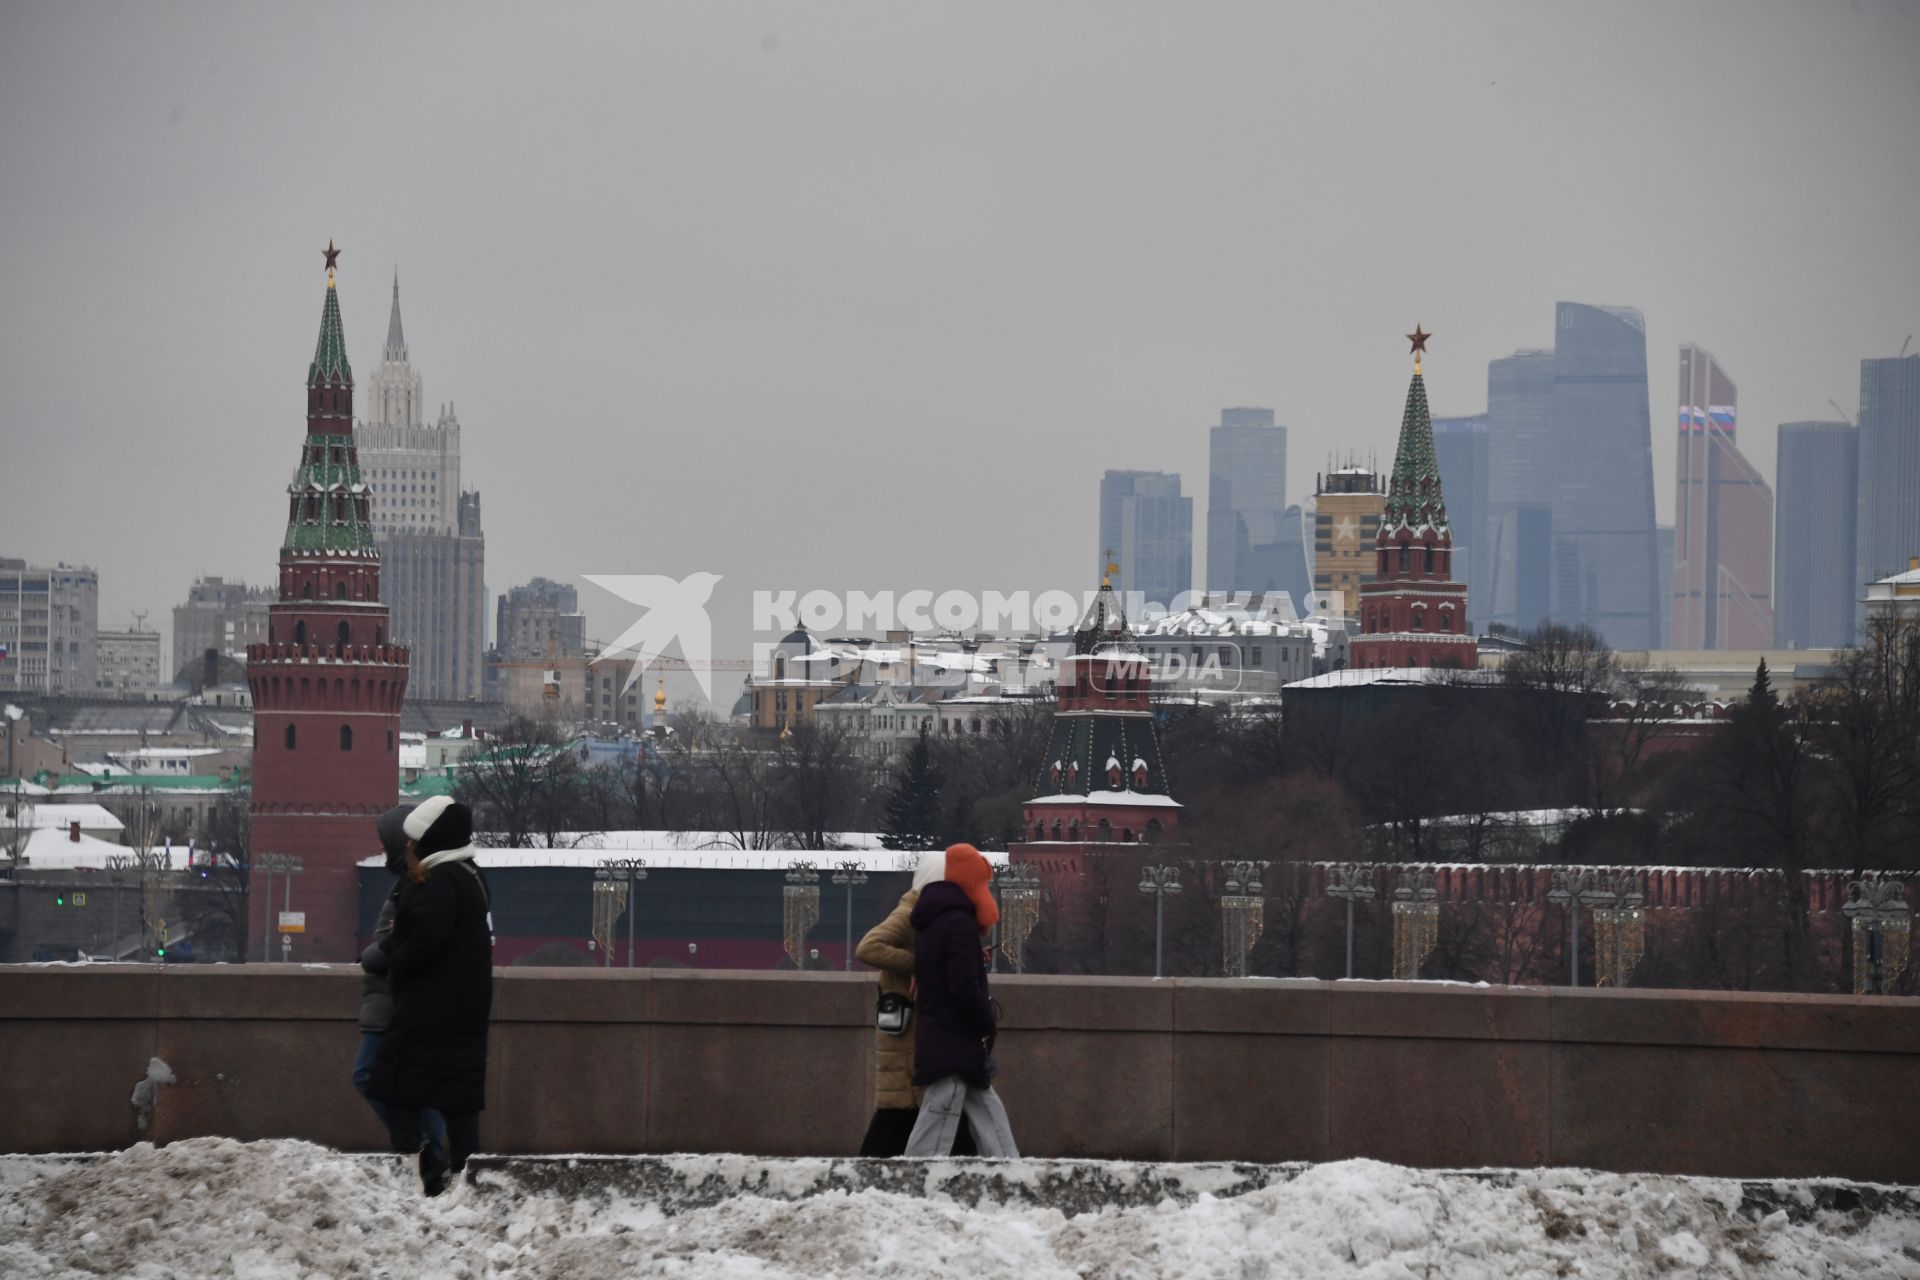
{"type": "Point", "coordinates": [433, 1122]}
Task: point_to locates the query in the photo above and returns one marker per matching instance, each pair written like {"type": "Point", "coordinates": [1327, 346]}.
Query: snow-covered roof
{"type": "Point", "coordinates": [1125, 798]}
{"type": "Point", "coordinates": [702, 841]}
{"type": "Point", "coordinates": [1353, 677]}
{"type": "Point", "coordinates": [55, 851]}
{"type": "Point", "coordinates": [823, 860]}
{"type": "Point", "coordinates": [91, 817]}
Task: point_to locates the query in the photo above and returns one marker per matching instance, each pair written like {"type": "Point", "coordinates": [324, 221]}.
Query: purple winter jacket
{"type": "Point", "coordinates": [955, 1023]}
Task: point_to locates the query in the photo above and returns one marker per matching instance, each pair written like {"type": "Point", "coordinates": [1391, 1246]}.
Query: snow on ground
{"type": "Point", "coordinates": [290, 1211]}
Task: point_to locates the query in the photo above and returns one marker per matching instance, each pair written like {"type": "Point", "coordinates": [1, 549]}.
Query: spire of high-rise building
{"type": "Point", "coordinates": [396, 349]}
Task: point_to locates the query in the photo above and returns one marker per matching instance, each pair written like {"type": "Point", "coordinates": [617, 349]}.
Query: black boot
{"type": "Point", "coordinates": [433, 1169]}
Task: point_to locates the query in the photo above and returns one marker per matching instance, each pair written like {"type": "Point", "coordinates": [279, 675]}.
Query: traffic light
{"type": "Point", "coordinates": [59, 899]}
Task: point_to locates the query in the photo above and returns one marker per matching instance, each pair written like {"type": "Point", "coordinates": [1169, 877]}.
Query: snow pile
{"type": "Point", "coordinates": [290, 1211]}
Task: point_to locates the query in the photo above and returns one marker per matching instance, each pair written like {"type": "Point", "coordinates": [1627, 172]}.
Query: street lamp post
{"type": "Point", "coordinates": [117, 867]}
{"type": "Point", "coordinates": [1354, 883]}
{"type": "Point", "coordinates": [1416, 920]}
{"type": "Point", "coordinates": [1243, 911]}
{"type": "Point", "coordinates": [1159, 881]}
{"type": "Point", "coordinates": [1619, 929]}
{"type": "Point", "coordinates": [1019, 886]}
{"type": "Point", "coordinates": [800, 900]}
{"type": "Point", "coordinates": [1575, 890]}
{"type": "Point", "coordinates": [1877, 909]}
{"type": "Point", "coordinates": [288, 867]}
{"type": "Point", "coordinates": [851, 873]}
{"type": "Point", "coordinates": [627, 873]}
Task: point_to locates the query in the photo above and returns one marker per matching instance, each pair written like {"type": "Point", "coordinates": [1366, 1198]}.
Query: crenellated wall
{"type": "Point", "coordinates": [780, 1064]}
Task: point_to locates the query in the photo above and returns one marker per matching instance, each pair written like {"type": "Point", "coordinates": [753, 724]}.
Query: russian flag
{"type": "Point", "coordinates": [1722, 414]}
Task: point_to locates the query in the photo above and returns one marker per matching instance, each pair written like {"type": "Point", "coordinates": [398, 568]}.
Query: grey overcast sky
{"type": "Point", "coordinates": [867, 295]}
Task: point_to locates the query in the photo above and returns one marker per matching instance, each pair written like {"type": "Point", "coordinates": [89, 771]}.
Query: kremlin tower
{"type": "Point", "coordinates": [1102, 779]}
{"type": "Point", "coordinates": [1413, 614]}
{"type": "Point", "coordinates": [327, 686]}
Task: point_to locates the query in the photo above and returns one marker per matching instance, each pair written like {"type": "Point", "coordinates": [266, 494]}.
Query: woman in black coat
{"type": "Point", "coordinates": [439, 961]}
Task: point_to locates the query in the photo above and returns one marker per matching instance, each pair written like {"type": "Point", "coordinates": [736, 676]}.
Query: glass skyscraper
{"type": "Point", "coordinates": [1148, 528]}
{"type": "Point", "coordinates": [1246, 500]}
{"type": "Point", "coordinates": [1521, 480]}
{"type": "Point", "coordinates": [1460, 447]}
{"type": "Point", "coordinates": [1723, 520]}
{"type": "Point", "coordinates": [1889, 471]}
{"type": "Point", "coordinates": [1815, 589]}
{"type": "Point", "coordinates": [1605, 569]}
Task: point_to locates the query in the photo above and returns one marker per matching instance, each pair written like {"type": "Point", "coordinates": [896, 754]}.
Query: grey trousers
{"type": "Point", "coordinates": [945, 1101]}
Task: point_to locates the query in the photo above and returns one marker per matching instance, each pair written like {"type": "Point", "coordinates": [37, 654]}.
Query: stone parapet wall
{"type": "Point", "coordinates": [1262, 1071]}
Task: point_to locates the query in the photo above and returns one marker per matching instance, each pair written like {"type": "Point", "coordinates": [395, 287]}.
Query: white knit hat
{"type": "Point", "coordinates": [933, 866]}
{"type": "Point", "coordinates": [424, 815]}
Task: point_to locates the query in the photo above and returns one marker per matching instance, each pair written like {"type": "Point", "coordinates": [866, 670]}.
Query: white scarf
{"type": "Point", "coordinates": [461, 854]}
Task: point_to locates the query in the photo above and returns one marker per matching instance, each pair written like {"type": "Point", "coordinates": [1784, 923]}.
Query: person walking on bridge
{"type": "Point", "coordinates": [953, 1044]}
{"type": "Point", "coordinates": [439, 959]}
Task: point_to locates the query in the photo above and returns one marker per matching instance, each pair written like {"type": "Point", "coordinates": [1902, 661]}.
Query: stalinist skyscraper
{"type": "Point", "coordinates": [432, 551]}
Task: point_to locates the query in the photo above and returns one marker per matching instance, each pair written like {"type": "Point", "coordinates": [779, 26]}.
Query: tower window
{"type": "Point", "coordinates": [346, 737]}
{"type": "Point", "coordinates": [345, 634]}
{"type": "Point", "coordinates": [300, 633]}
{"type": "Point", "coordinates": [290, 737]}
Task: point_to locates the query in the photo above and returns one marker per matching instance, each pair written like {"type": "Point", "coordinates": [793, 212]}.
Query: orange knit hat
{"type": "Point", "coordinates": [966, 868]}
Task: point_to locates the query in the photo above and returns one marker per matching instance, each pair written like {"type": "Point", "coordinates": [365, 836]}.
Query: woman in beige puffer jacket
{"type": "Point", "coordinates": [888, 947]}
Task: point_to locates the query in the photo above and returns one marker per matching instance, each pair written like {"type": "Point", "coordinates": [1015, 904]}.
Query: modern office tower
{"type": "Point", "coordinates": [432, 549]}
{"type": "Point", "coordinates": [219, 615]}
{"type": "Point", "coordinates": [1722, 596]}
{"type": "Point", "coordinates": [538, 619]}
{"type": "Point", "coordinates": [1461, 447]}
{"type": "Point", "coordinates": [1605, 570]}
{"type": "Point", "coordinates": [1246, 498]}
{"type": "Point", "coordinates": [1148, 528]}
{"type": "Point", "coordinates": [49, 628]}
{"type": "Point", "coordinates": [1663, 544]}
{"type": "Point", "coordinates": [1348, 503]}
{"type": "Point", "coordinates": [1521, 480]}
{"type": "Point", "coordinates": [1888, 531]}
{"type": "Point", "coordinates": [1814, 585]}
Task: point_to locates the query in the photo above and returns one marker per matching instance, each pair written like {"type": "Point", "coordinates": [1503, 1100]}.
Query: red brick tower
{"type": "Point", "coordinates": [1102, 779]}
{"type": "Point", "coordinates": [327, 686]}
{"type": "Point", "coordinates": [1413, 614]}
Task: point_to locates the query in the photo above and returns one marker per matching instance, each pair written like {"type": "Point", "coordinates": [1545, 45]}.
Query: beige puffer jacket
{"type": "Point", "coordinates": [888, 947]}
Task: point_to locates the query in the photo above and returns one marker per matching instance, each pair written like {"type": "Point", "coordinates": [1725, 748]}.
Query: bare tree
{"type": "Point", "coordinates": [820, 788]}
{"type": "Point", "coordinates": [524, 787]}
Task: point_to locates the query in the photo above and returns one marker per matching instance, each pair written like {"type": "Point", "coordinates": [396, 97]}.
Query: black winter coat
{"type": "Point", "coordinates": [955, 1026]}
{"type": "Point", "coordinates": [441, 967]}
{"type": "Point", "coordinates": [376, 993]}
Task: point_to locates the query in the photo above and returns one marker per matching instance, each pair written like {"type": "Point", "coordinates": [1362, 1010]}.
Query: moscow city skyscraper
{"type": "Point", "coordinates": [1604, 568]}
{"type": "Point", "coordinates": [1889, 522]}
{"type": "Point", "coordinates": [1723, 525]}
{"type": "Point", "coordinates": [1521, 481]}
{"type": "Point", "coordinates": [1815, 589]}
{"type": "Point", "coordinates": [1246, 508]}
{"type": "Point", "coordinates": [1460, 446]}
{"type": "Point", "coordinates": [1148, 527]}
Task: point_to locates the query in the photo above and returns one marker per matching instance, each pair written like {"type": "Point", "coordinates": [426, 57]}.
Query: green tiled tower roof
{"type": "Point", "coordinates": [330, 353]}
{"type": "Point", "coordinates": [1413, 493]}
{"type": "Point", "coordinates": [328, 507]}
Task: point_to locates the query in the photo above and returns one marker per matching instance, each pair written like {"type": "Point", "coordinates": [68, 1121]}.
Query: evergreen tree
{"type": "Point", "coordinates": [913, 810]}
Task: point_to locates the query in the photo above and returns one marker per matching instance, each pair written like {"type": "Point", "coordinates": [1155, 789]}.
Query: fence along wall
{"type": "Point", "coordinates": [1202, 1069]}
